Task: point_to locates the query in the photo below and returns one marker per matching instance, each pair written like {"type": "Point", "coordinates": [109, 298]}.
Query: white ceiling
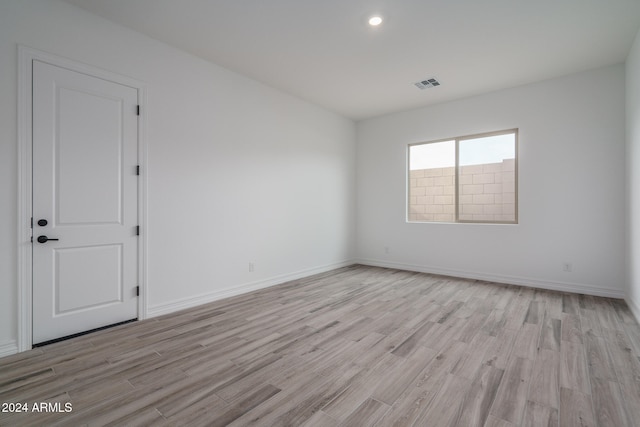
{"type": "Point", "coordinates": [325, 52]}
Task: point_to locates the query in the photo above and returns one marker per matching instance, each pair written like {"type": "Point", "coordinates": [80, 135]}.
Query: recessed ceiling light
{"type": "Point", "coordinates": [374, 21]}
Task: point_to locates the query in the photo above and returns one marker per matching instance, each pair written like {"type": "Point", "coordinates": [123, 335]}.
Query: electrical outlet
{"type": "Point", "coordinates": [566, 266]}
{"type": "Point", "coordinates": [251, 267]}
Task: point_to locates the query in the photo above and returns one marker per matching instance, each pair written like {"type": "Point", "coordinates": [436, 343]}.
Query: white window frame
{"type": "Point", "coordinates": [457, 141]}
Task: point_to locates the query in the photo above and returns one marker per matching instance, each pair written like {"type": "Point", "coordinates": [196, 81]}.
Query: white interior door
{"type": "Point", "coordinates": [85, 145]}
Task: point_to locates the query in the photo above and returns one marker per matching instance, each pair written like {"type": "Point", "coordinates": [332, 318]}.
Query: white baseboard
{"type": "Point", "coordinates": [8, 348]}
{"type": "Point", "coordinates": [511, 280]}
{"type": "Point", "coordinates": [196, 300]}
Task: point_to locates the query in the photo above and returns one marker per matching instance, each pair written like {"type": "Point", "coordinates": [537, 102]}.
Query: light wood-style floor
{"type": "Point", "coordinates": [358, 346]}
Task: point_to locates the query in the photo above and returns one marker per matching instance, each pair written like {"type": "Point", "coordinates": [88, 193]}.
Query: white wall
{"type": "Point", "coordinates": [633, 176]}
{"type": "Point", "coordinates": [237, 171]}
{"type": "Point", "coordinates": [571, 144]}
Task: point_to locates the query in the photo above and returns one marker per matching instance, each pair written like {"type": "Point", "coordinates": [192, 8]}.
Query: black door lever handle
{"type": "Point", "coordinates": [44, 239]}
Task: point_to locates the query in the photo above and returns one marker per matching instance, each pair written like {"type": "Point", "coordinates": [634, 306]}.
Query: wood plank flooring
{"type": "Point", "coordinates": [358, 346]}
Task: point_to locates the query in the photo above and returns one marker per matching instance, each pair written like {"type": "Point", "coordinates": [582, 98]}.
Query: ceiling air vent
{"type": "Point", "coordinates": [427, 83]}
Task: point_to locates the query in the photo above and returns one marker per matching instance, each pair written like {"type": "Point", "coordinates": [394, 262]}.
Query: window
{"type": "Point", "coordinates": [465, 179]}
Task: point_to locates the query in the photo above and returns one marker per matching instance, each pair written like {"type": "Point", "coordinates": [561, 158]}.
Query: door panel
{"type": "Point", "coordinates": [85, 144]}
{"type": "Point", "coordinates": [75, 267]}
{"type": "Point", "coordinates": [98, 144]}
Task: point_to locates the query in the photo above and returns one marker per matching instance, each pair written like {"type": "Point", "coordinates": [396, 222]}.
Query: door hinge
{"type": "Point", "coordinates": [137, 230]}
{"type": "Point", "coordinates": [138, 170]}
{"type": "Point", "coordinates": [31, 222]}
{"type": "Point", "coordinates": [137, 110]}
{"type": "Point", "coordinates": [137, 291]}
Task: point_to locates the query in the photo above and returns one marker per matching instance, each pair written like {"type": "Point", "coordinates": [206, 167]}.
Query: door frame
{"type": "Point", "coordinates": [26, 56]}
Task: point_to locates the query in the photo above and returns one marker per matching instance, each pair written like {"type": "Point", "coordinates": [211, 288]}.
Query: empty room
{"type": "Point", "coordinates": [319, 213]}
